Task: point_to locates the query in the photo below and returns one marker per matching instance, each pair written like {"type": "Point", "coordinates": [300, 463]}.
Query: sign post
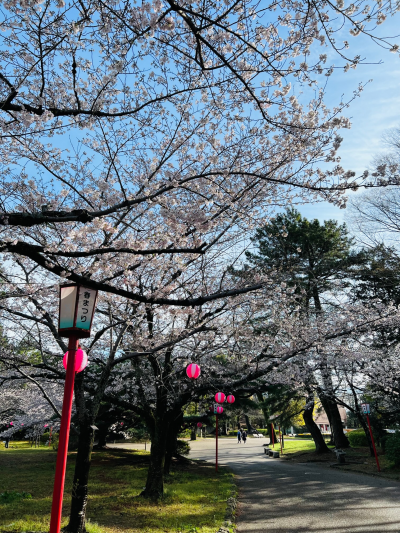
{"type": "Point", "coordinates": [366, 410]}
{"type": "Point", "coordinates": [77, 305]}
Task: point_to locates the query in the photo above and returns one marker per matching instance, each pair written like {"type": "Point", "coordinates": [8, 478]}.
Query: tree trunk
{"type": "Point", "coordinates": [366, 431]}
{"type": "Point", "coordinates": [320, 444]}
{"type": "Point", "coordinates": [271, 430]}
{"type": "Point", "coordinates": [79, 498]}
{"type": "Point", "coordinates": [339, 437]}
{"type": "Point", "coordinates": [332, 410]}
{"type": "Point", "coordinates": [170, 452]}
{"type": "Point", "coordinates": [155, 476]}
{"type": "Point", "coordinates": [325, 405]}
{"type": "Point", "coordinates": [87, 417]}
{"type": "Point", "coordinates": [330, 407]}
{"type": "Point", "coordinates": [101, 436]}
{"type": "Point", "coordinates": [250, 428]}
{"type": "Point", "coordinates": [173, 430]}
{"type": "Point", "coordinates": [327, 398]}
{"type": "Point", "coordinates": [193, 434]}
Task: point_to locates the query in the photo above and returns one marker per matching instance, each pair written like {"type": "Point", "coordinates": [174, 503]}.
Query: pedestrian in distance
{"type": "Point", "coordinates": [239, 436]}
{"type": "Point", "coordinates": [244, 436]}
{"type": "Point", "coordinates": [6, 442]}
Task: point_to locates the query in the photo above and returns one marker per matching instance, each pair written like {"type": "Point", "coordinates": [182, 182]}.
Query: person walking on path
{"type": "Point", "coordinates": [7, 440]}
{"type": "Point", "coordinates": [244, 436]}
{"type": "Point", "coordinates": [239, 436]}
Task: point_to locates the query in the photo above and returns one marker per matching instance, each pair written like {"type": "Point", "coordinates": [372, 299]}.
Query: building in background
{"type": "Point", "coordinates": [321, 419]}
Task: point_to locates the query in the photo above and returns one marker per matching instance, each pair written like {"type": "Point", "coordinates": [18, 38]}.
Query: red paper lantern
{"type": "Point", "coordinates": [81, 360]}
{"type": "Point", "coordinates": [193, 371]}
{"type": "Point", "coordinates": [220, 410]}
{"type": "Point", "coordinates": [230, 399]}
{"type": "Point", "coordinates": [220, 397]}
{"type": "Point", "coordinates": [199, 424]}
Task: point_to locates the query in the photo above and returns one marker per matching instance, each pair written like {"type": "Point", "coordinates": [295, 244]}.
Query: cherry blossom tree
{"type": "Point", "coordinates": [140, 144]}
{"type": "Point", "coordinates": [138, 360]}
{"type": "Point", "coordinates": [140, 138]}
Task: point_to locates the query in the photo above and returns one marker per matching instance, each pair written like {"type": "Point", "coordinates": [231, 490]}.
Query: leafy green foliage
{"type": "Point", "coordinates": [13, 495]}
{"type": "Point", "coordinates": [262, 432]}
{"type": "Point", "coordinates": [393, 448]}
{"type": "Point", "coordinates": [309, 256]}
{"type": "Point", "coordinates": [182, 447]}
{"type": "Point", "coordinates": [285, 402]}
{"type": "Point", "coordinates": [357, 438]}
{"type": "Point", "coordinates": [379, 277]}
{"type": "Point", "coordinates": [54, 441]}
{"type": "Point", "coordinates": [139, 434]}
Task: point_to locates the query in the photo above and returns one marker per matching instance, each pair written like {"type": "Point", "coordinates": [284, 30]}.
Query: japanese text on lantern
{"type": "Point", "coordinates": [86, 302]}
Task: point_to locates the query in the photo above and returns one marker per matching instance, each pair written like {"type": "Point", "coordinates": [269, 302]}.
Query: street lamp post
{"type": "Point", "coordinates": [219, 398]}
{"type": "Point", "coordinates": [366, 410]}
{"type": "Point", "coordinates": [77, 305]}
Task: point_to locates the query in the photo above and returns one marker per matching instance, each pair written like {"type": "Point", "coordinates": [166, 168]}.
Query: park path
{"type": "Point", "coordinates": [281, 497]}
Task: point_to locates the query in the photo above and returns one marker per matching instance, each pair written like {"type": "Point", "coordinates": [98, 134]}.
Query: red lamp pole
{"type": "Point", "coordinates": [373, 444]}
{"type": "Point", "coordinates": [58, 492]}
{"type": "Point", "coordinates": [216, 444]}
{"type": "Point", "coordinates": [219, 398]}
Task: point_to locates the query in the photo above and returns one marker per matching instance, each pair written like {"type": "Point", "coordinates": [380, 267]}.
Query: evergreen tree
{"type": "Point", "coordinates": [316, 260]}
{"type": "Point", "coordinates": [309, 256]}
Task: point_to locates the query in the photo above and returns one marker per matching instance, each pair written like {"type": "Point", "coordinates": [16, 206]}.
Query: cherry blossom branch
{"type": "Point", "coordinates": [45, 395]}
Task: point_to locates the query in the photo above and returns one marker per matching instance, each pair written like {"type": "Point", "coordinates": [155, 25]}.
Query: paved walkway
{"type": "Point", "coordinates": [280, 497]}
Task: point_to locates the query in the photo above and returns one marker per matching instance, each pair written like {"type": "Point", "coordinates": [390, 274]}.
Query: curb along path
{"type": "Point", "coordinates": [229, 516]}
{"type": "Point", "coordinates": [285, 497]}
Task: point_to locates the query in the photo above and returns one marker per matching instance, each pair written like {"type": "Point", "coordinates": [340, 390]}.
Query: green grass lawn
{"type": "Point", "coordinates": [292, 446]}
{"type": "Point", "coordinates": [195, 497]}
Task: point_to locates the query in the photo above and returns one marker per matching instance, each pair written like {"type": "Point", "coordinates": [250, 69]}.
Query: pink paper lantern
{"type": "Point", "coordinates": [199, 424]}
{"type": "Point", "coordinates": [46, 425]}
{"type": "Point", "coordinates": [220, 397]}
{"type": "Point", "coordinates": [81, 360]}
{"type": "Point", "coordinates": [230, 399]}
{"type": "Point", "coordinates": [11, 423]}
{"type": "Point", "coordinates": [193, 371]}
{"type": "Point", "coordinates": [220, 410]}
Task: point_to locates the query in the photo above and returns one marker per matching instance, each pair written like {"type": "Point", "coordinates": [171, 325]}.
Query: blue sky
{"type": "Point", "coordinates": [377, 110]}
